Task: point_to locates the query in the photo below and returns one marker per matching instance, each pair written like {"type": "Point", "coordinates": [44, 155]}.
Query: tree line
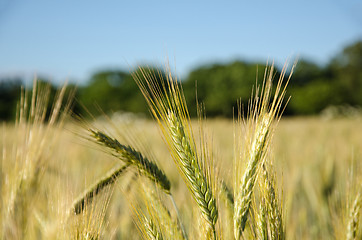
{"type": "Point", "coordinates": [220, 87]}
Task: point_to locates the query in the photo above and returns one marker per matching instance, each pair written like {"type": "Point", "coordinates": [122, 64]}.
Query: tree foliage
{"type": "Point", "coordinates": [9, 95]}
{"type": "Point", "coordinates": [314, 88]}
{"type": "Point", "coordinates": [218, 86]}
{"type": "Point", "coordinates": [116, 91]}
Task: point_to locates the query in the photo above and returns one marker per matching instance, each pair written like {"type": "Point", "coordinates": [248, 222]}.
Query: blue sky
{"type": "Point", "coordinates": [73, 39]}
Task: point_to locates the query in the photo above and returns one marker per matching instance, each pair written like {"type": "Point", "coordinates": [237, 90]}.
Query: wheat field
{"type": "Point", "coordinates": [127, 177]}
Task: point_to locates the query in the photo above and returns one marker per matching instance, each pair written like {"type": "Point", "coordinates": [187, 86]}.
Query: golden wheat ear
{"type": "Point", "coordinates": [353, 219]}
{"type": "Point", "coordinates": [167, 104]}
{"type": "Point", "coordinates": [264, 111]}
{"type": "Point", "coordinates": [148, 227]}
{"type": "Point", "coordinates": [270, 206]}
{"type": "Point", "coordinates": [26, 157]}
{"type": "Point", "coordinates": [159, 214]}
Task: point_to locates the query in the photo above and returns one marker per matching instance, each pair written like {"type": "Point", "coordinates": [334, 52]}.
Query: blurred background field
{"type": "Point", "coordinates": [317, 162]}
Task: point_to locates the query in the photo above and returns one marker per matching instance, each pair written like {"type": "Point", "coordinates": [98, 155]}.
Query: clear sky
{"type": "Point", "coordinates": [73, 39]}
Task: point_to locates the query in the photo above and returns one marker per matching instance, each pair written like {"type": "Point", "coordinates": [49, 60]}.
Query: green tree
{"type": "Point", "coordinates": [311, 90]}
{"type": "Point", "coordinates": [313, 97]}
{"type": "Point", "coordinates": [9, 96]}
{"type": "Point", "coordinates": [314, 88]}
{"type": "Point", "coordinates": [305, 72]}
{"type": "Point", "coordinates": [219, 86]}
{"type": "Point", "coordinates": [116, 91]}
{"type": "Point", "coordinates": [103, 89]}
{"type": "Point", "coordinates": [346, 68]}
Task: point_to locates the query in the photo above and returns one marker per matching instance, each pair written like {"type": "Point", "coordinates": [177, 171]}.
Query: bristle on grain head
{"type": "Point", "coordinates": [264, 110]}
{"type": "Point", "coordinates": [27, 157]}
{"type": "Point", "coordinates": [168, 105]}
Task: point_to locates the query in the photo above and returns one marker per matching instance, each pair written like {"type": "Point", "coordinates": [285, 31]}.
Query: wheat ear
{"type": "Point", "coordinates": [262, 221]}
{"type": "Point", "coordinates": [272, 205]}
{"type": "Point", "coordinates": [152, 231]}
{"type": "Point", "coordinates": [352, 228]}
{"type": "Point", "coordinates": [192, 172]}
{"type": "Point", "coordinates": [228, 194]}
{"type": "Point", "coordinates": [161, 214]}
{"type": "Point", "coordinates": [167, 104]}
{"type": "Point", "coordinates": [243, 200]}
{"type": "Point", "coordinates": [87, 196]}
{"type": "Point", "coordinates": [263, 113]}
{"type": "Point", "coordinates": [133, 158]}
{"type": "Point", "coordinates": [148, 219]}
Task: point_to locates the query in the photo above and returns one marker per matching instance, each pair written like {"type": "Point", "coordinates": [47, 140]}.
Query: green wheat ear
{"type": "Point", "coordinates": [153, 233]}
{"type": "Point", "coordinates": [167, 103]}
{"type": "Point", "coordinates": [87, 196]}
{"type": "Point", "coordinates": [133, 158]}
{"type": "Point", "coordinates": [190, 168]}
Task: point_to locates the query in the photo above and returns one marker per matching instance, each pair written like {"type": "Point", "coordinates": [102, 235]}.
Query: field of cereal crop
{"type": "Point", "coordinates": [307, 187]}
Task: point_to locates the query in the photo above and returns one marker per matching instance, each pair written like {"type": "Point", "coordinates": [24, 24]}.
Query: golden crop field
{"type": "Point", "coordinates": [56, 184]}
